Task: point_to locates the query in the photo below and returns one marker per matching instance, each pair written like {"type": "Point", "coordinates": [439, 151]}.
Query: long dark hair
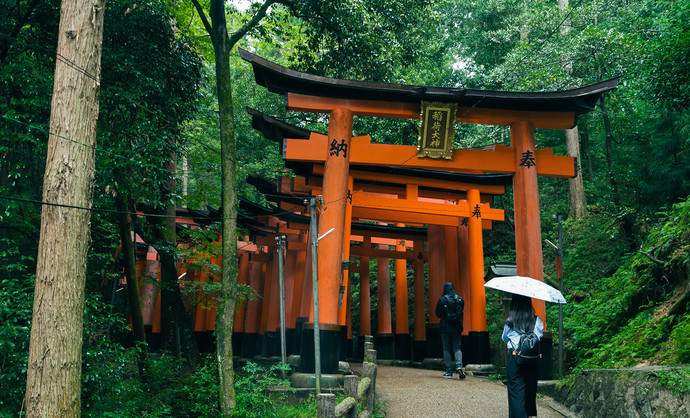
{"type": "Point", "coordinates": [521, 316]}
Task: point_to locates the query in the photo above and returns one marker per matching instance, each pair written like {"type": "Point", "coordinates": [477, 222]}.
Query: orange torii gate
{"type": "Point", "coordinates": [397, 202]}
{"type": "Point", "coordinates": [344, 99]}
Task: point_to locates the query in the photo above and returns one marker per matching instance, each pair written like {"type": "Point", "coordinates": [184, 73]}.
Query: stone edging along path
{"type": "Point", "coordinates": [623, 393]}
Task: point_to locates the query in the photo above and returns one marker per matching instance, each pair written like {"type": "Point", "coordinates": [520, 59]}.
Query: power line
{"type": "Point", "coordinates": [91, 209]}
{"type": "Point", "coordinates": [75, 66]}
{"type": "Point", "coordinates": [93, 147]}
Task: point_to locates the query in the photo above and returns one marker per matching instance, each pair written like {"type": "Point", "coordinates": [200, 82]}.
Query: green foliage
{"type": "Point", "coordinates": [169, 390]}
{"type": "Point", "coordinates": [621, 323]}
{"type": "Point", "coordinates": [678, 342]}
{"type": "Point", "coordinates": [677, 379]}
{"type": "Point", "coordinates": [594, 247]}
{"type": "Point", "coordinates": [16, 300]}
{"type": "Point", "coordinates": [253, 399]}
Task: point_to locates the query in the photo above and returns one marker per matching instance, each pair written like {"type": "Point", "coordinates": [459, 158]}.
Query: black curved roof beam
{"type": "Point", "coordinates": [282, 80]}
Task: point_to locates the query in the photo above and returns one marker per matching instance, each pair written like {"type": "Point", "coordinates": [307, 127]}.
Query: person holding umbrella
{"type": "Point", "coordinates": [522, 372]}
{"type": "Point", "coordinates": [522, 378]}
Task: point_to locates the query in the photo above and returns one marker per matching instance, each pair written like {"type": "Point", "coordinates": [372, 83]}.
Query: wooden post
{"type": "Point", "coordinates": [348, 312]}
{"type": "Point", "coordinates": [342, 309]}
{"type": "Point", "coordinates": [350, 387]}
{"type": "Point", "coordinates": [325, 405]}
{"type": "Point", "coordinates": [301, 263]}
{"type": "Point", "coordinates": [402, 322]}
{"type": "Point", "coordinates": [335, 179]}
{"type": "Point", "coordinates": [419, 293]}
{"type": "Point", "coordinates": [450, 238]}
{"type": "Point", "coordinates": [290, 281]}
{"type": "Point", "coordinates": [437, 267]}
{"type": "Point", "coordinates": [369, 372]}
{"type": "Point", "coordinates": [273, 299]}
{"type": "Point", "coordinates": [306, 305]}
{"type": "Point", "coordinates": [384, 297]}
{"type": "Point", "coordinates": [464, 265]}
{"type": "Point", "coordinates": [240, 310]}
{"type": "Point", "coordinates": [477, 294]}
{"type": "Point", "coordinates": [254, 306]}
{"type": "Point", "coordinates": [364, 293]}
{"type": "Point", "coordinates": [528, 250]}
{"type": "Point", "coordinates": [266, 297]}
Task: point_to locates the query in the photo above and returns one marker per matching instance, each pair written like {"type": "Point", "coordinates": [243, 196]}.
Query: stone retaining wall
{"type": "Point", "coordinates": [622, 393]}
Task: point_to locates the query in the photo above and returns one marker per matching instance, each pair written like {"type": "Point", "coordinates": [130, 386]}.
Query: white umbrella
{"type": "Point", "coordinates": [526, 286]}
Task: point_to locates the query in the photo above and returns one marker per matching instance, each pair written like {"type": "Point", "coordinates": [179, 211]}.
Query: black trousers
{"type": "Point", "coordinates": [522, 388]}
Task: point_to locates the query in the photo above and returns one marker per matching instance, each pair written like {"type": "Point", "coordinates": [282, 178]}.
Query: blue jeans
{"type": "Point", "coordinates": [451, 343]}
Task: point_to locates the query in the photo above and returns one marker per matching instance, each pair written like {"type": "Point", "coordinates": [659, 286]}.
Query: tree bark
{"type": "Point", "coordinates": [176, 323]}
{"type": "Point", "coordinates": [53, 385]}
{"type": "Point", "coordinates": [222, 46]}
{"type": "Point", "coordinates": [586, 150]}
{"type": "Point", "coordinates": [576, 189]}
{"type": "Point", "coordinates": [226, 300]}
{"type": "Point", "coordinates": [130, 257]}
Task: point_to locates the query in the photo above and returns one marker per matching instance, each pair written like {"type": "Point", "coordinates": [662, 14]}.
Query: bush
{"type": "Point", "coordinates": [16, 300]}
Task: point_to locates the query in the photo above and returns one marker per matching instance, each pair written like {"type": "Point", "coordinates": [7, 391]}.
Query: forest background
{"type": "Point", "coordinates": [625, 263]}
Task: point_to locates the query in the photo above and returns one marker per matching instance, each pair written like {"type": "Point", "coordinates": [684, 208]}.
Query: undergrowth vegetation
{"type": "Point", "coordinates": [638, 315]}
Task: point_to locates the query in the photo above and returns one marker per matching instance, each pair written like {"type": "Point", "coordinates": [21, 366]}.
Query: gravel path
{"type": "Point", "coordinates": [409, 392]}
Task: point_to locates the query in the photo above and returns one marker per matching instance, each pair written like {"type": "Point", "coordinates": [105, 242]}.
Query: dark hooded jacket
{"type": "Point", "coordinates": [442, 305]}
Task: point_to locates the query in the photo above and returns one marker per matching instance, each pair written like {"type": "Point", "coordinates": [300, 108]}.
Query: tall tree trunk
{"type": "Point", "coordinates": [176, 323]}
{"type": "Point", "coordinates": [171, 297]}
{"type": "Point", "coordinates": [53, 383]}
{"type": "Point", "coordinates": [586, 150]}
{"type": "Point", "coordinates": [576, 190]}
{"type": "Point", "coordinates": [226, 301]}
{"type": "Point", "coordinates": [130, 257]}
{"type": "Point", "coordinates": [222, 46]}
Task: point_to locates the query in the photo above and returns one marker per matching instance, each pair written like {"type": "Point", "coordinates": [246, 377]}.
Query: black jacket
{"type": "Point", "coordinates": [441, 306]}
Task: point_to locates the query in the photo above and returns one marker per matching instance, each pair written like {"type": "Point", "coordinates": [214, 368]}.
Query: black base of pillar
{"type": "Point", "coordinates": [329, 339]}
{"type": "Point", "coordinates": [546, 364]}
{"type": "Point", "coordinates": [434, 347]}
{"type": "Point", "coordinates": [385, 346]}
{"type": "Point", "coordinates": [205, 341]}
{"type": "Point", "coordinates": [249, 345]}
{"type": "Point", "coordinates": [343, 343]}
{"type": "Point", "coordinates": [476, 349]}
{"type": "Point", "coordinates": [359, 350]}
{"type": "Point", "coordinates": [236, 343]}
{"type": "Point", "coordinates": [418, 351]}
{"type": "Point", "coordinates": [270, 346]}
{"type": "Point", "coordinates": [153, 339]}
{"type": "Point", "coordinates": [297, 336]}
{"type": "Point", "coordinates": [403, 347]}
{"type": "Point", "coordinates": [290, 346]}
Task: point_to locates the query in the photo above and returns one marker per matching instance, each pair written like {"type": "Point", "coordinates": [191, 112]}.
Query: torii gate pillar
{"type": "Point", "coordinates": [528, 250]}
{"type": "Point", "coordinates": [335, 179]}
{"type": "Point", "coordinates": [330, 248]}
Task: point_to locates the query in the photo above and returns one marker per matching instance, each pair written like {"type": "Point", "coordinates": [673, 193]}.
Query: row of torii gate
{"type": "Point", "coordinates": [383, 202]}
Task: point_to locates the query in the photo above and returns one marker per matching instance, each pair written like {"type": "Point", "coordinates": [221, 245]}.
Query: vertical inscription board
{"type": "Point", "coordinates": [436, 130]}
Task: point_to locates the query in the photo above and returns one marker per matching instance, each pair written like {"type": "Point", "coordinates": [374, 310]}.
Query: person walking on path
{"type": "Point", "coordinates": [521, 376]}
{"type": "Point", "coordinates": [450, 309]}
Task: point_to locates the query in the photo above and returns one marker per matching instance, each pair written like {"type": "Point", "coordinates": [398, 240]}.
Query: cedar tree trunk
{"type": "Point", "coordinates": [53, 384]}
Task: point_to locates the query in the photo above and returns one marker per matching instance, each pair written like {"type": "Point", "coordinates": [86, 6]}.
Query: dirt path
{"type": "Point", "coordinates": [409, 392]}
